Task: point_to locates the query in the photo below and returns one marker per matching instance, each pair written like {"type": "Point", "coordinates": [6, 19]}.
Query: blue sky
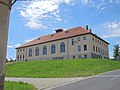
{"type": "Point", "coordinates": [32, 19]}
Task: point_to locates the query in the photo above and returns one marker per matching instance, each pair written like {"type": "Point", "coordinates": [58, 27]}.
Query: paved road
{"type": "Point", "coordinates": [108, 81]}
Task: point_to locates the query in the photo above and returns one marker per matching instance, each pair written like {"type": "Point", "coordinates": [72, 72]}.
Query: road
{"type": "Point", "coordinates": [107, 81]}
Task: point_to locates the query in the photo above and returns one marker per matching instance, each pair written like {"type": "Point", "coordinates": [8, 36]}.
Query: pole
{"type": "Point", "coordinates": [5, 6]}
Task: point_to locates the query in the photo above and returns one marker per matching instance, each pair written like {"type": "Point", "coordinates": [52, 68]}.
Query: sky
{"type": "Point", "coordinates": [31, 19]}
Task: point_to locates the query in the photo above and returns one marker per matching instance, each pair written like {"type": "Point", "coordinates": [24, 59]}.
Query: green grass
{"type": "Point", "coordinates": [61, 68]}
{"type": "Point", "coordinates": [18, 86]}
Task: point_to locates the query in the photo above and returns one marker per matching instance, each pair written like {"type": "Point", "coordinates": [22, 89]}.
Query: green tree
{"type": "Point", "coordinates": [116, 51]}
{"type": "Point", "coordinates": [6, 60]}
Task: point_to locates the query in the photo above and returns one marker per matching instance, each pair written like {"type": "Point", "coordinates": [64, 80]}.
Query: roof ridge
{"type": "Point", "coordinates": [57, 36]}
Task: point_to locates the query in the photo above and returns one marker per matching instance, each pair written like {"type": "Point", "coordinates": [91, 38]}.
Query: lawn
{"type": "Point", "coordinates": [61, 68]}
{"type": "Point", "coordinates": [18, 86]}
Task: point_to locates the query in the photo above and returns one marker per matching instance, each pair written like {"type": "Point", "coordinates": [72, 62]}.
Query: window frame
{"type": "Point", "coordinates": [30, 52]}
{"type": "Point", "coordinates": [85, 47]}
{"type": "Point", "coordinates": [84, 37]}
{"type": "Point", "coordinates": [37, 51]}
{"type": "Point", "coordinates": [72, 41]}
{"type": "Point", "coordinates": [53, 49]}
{"type": "Point", "coordinates": [79, 48]}
{"type": "Point", "coordinates": [62, 47]}
{"type": "Point", "coordinates": [45, 50]}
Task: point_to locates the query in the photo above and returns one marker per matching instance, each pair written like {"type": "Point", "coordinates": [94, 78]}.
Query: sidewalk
{"type": "Point", "coordinates": [45, 83]}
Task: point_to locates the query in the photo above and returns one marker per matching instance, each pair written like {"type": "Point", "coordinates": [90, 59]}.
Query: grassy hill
{"type": "Point", "coordinates": [61, 68]}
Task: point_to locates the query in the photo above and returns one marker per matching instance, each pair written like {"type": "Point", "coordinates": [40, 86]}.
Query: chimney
{"type": "Point", "coordinates": [86, 27]}
{"type": "Point", "coordinates": [59, 30]}
{"type": "Point", "coordinates": [90, 30]}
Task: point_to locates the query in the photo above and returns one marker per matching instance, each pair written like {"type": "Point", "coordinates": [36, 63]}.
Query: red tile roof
{"type": "Point", "coordinates": [56, 36]}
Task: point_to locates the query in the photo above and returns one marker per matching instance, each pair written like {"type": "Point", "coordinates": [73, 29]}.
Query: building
{"type": "Point", "coordinates": [73, 43]}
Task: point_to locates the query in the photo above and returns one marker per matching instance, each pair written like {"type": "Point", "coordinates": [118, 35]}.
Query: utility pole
{"type": "Point", "coordinates": [5, 6]}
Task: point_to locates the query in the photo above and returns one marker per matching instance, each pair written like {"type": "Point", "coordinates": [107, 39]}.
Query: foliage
{"type": "Point", "coordinates": [116, 51]}
{"type": "Point", "coordinates": [6, 60]}
{"type": "Point", "coordinates": [61, 68]}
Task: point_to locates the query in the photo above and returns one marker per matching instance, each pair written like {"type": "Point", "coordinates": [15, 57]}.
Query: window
{"type": "Point", "coordinates": [72, 41]}
{"type": "Point", "coordinates": [18, 57]}
{"type": "Point", "coordinates": [23, 56]}
{"type": "Point", "coordinates": [99, 50]}
{"type": "Point", "coordinates": [85, 56]}
{"type": "Point", "coordinates": [73, 57]}
{"type": "Point", "coordinates": [93, 38]}
{"type": "Point", "coordinates": [93, 48]}
{"type": "Point", "coordinates": [85, 47]}
{"type": "Point", "coordinates": [44, 50]}
{"type": "Point", "coordinates": [62, 47]}
{"type": "Point", "coordinates": [79, 48]}
{"type": "Point", "coordinates": [30, 52]}
{"type": "Point", "coordinates": [78, 39]}
{"type": "Point", "coordinates": [18, 50]}
{"type": "Point", "coordinates": [96, 49]}
{"type": "Point", "coordinates": [37, 51]}
{"type": "Point", "coordinates": [21, 49]}
{"type": "Point", "coordinates": [84, 37]}
{"type": "Point", "coordinates": [53, 48]}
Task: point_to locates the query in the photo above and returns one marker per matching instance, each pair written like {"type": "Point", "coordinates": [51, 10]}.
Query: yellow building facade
{"type": "Point", "coordinates": [69, 44]}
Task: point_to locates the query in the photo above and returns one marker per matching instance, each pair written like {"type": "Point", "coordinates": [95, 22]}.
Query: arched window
{"type": "Point", "coordinates": [93, 48]}
{"type": "Point", "coordinates": [23, 56]}
{"type": "Point", "coordinates": [30, 52]}
{"type": "Point", "coordinates": [53, 48]}
{"type": "Point", "coordinates": [44, 50]}
{"type": "Point", "coordinates": [62, 47]}
{"type": "Point", "coordinates": [18, 57]}
{"type": "Point", "coordinates": [72, 41]}
{"type": "Point", "coordinates": [79, 48]}
{"type": "Point", "coordinates": [37, 51]}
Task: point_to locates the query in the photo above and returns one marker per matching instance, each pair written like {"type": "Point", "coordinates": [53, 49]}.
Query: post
{"type": "Point", "coordinates": [5, 6]}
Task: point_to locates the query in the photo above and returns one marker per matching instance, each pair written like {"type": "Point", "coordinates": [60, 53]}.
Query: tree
{"type": "Point", "coordinates": [116, 51]}
{"type": "Point", "coordinates": [11, 60]}
{"type": "Point", "coordinates": [6, 60]}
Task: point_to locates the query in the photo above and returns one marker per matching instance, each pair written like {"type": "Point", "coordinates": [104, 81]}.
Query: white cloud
{"type": "Point", "coordinates": [10, 46]}
{"type": "Point", "coordinates": [113, 29]}
{"type": "Point", "coordinates": [17, 45]}
{"type": "Point", "coordinates": [37, 12]}
{"type": "Point", "coordinates": [84, 2]}
{"type": "Point", "coordinates": [100, 5]}
{"type": "Point", "coordinates": [28, 40]}
{"type": "Point", "coordinates": [40, 14]}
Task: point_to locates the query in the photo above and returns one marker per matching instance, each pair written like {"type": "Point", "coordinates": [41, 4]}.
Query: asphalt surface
{"type": "Point", "coordinates": [107, 81]}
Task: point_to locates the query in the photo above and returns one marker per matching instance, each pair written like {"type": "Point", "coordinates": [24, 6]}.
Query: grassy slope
{"type": "Point", "coordinates": [18, 86]}
{"type": "Point", "coordinates": [61, 68]}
